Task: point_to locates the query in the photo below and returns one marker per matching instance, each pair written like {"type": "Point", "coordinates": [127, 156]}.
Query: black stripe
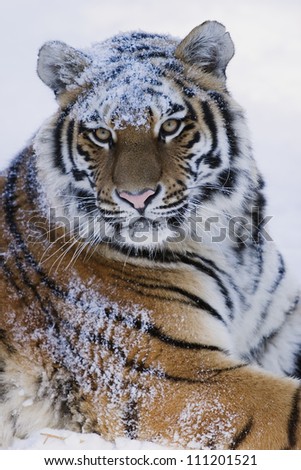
{"type": "Point", "coordinates": [85, 200]}
{"type": "Point", "coordinates": [207, 373]}
{"type": "Point", "coordinates": [242, 435]}
{"type": "Point", "coordinates": [195, 301]}
{"type": "Point", "coordinates": [226, 185]}
{"type": "Point", "coordinates": [156, 333]}
{"type": "Point", "coordinates": [174, 109]}
{"type": "Point", "coordinates": [195, 139]}
{"type": "Point", "coordinates": [175, 67]}
{"type": "Point", "coordinates": [57, 154]}
{"type": "Point", "coordinates": [227, 180]}
{"type": "Point", "coordinates": [106, 76]}
{"type": "Point", "coordinates": [131, 251]}
{"type": "Point", "coordinates": [293, 421]}
{"type": "Point", "coordinates": [31, 186]}
{"type": "Point", "coordinates": [175, 220]}
{"type": "Point", "coordinates": [176, 203]}
{"type": "Point", "coordinates": [213, 161]}
{"type": "Point", "coordinates": [5, 389]}
{"type": "Point", "coordinates": [294, 306]}
{"type": "Point", "coordinates": [141, 368]}
{"type": "Point", "coordinates": [10, 208]}
{"type": "Point", "coordinates": [79, 175]}
{"type": "Point", "coordinates": [130, 416]}
{"type": "Point", "coordinates": [192, 115]}
{"type": "Point", "coordinates": [256, 352]}
{"type": "Point", "coordinates": [184, 88]}
{"type": "Point", "coordinates": [140, 289]}
{"type": "Point", "coordinates": [257, 215]}
{"type": "Point", "coordinates": [83, 153]}
{"type": "Point", "coordinates": [193, 172]}
{"type": "Point", "coordinates": [157, 93]}
{"type": "Point", "coordinates": [259, 350]}
{"type": "Point", "coordinates": [266, 310]}
{"type": "Point", "coordinates": [297, 364]}
{"type": "Point", "coordinates": [211, 273]}
{"type": "Point", "coordinates": [70, 140]}
{"type": "Point", "coordinates": [228, 118]}
{"type": "Point", "coordinates": [259, 262]}
{"type": "Point", "coordinates": [210, 122]}
{"type": "Point", "coordinates": [9, 275]}
{"type": "Point", "coordinates": [137, 35]}
{"type": "Point", "coordinates": [2, 366]}
{"type": "Point", "coordinates": [159, 54]}
{"type": "Point", "coordinates": [186, 128]}
{"type": "Point", "coordinates": [280, 274]}
{"type": "Point", "coordinates": [169, 257]}
{"type": "Point", "coordinates": [166, 256]}
{"type": "Point", "coordinates": [6, 342]}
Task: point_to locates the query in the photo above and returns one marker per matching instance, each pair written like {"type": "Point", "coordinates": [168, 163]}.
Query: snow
{"type": "Point", "coordinates": [49, 439]}
{"type": "Point", "coordinates": [92, 315]}
{"type": "Point", "coordinates": [224, 431]}
{"type": "Point", "coordinates": [264, 77]}
{"type": "Point", "coordinates": [132, 105]}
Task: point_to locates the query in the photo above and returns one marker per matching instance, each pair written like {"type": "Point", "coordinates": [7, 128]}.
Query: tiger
{"type": "Point", "coordinates": [141, 294]}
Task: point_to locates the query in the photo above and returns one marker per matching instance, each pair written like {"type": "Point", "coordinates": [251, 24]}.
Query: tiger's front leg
{"type": "Point", "coordinates": [227, 406]}
{"type": "Point", "coordinates": [194, 397]}
{"type": "Point", "coordinates": [175, 397]}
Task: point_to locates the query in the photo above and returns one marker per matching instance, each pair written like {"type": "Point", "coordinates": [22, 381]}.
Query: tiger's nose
{"type": "Point", "coordinates": [138, 200]}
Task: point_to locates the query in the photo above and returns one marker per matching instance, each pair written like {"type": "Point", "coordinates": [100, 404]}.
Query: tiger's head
{"type": "Point", "coordinates": [147, 143]}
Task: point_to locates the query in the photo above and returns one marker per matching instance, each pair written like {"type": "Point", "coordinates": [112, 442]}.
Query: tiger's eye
{"type": "Point", "coordinates": [102, 135]}
{"type": "Point", "coordinates": [170, 127]}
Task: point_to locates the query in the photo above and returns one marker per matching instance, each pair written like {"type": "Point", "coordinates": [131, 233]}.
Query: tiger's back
{"type": "Point", "coordinates": [118, 316]}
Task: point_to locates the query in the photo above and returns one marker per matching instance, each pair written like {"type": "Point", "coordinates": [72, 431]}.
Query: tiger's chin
{"type": "Point", "coordinates": [142, 234]}
{"type": "Point", "coordinates": [137, 235]}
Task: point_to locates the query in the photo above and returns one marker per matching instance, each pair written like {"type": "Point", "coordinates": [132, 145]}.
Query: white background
{"type": "Point", "coordinates": [264, 76]}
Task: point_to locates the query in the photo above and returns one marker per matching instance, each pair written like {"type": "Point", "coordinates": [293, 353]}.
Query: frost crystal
{"type": "Point", "coordinates": [220, 429]}
{"type": "Point", "coordinates": [124, 76]}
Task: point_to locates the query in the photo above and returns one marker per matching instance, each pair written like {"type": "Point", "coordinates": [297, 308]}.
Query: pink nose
{"type": "Point", "coordinates": [137, 200]}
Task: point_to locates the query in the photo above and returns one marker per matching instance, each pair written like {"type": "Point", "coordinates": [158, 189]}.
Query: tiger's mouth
{"type": "Point", "coordinates": [93, 221]}
{"type": "Point", "coordinates": [149, 221]}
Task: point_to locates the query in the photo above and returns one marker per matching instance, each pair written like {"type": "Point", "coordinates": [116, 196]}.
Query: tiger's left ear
{"type": "Point", "coordinates": [207, 46]}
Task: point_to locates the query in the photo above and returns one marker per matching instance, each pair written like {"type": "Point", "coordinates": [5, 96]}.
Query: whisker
{"type": "Point", "coordinates": [60, 260]}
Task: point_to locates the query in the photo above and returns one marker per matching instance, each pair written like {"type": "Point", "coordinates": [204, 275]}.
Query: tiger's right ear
{"type": "Point", "coordinates": [60, 65]}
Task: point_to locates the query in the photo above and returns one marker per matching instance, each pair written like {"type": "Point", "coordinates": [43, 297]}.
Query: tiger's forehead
{"type": "Point", "coordinates": [128, 78]}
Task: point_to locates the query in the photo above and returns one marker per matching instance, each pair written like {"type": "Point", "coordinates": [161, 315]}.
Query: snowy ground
{"type": "Point", "coordinates": [49, 439]}
{"type": "Point", "coordinates": [264, 77]}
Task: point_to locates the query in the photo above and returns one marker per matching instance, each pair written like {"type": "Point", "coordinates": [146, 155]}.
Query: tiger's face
{"type": "Point", "coordinates": [146, 141]}
{"type": "Point", "coordinates": [144, 177]}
